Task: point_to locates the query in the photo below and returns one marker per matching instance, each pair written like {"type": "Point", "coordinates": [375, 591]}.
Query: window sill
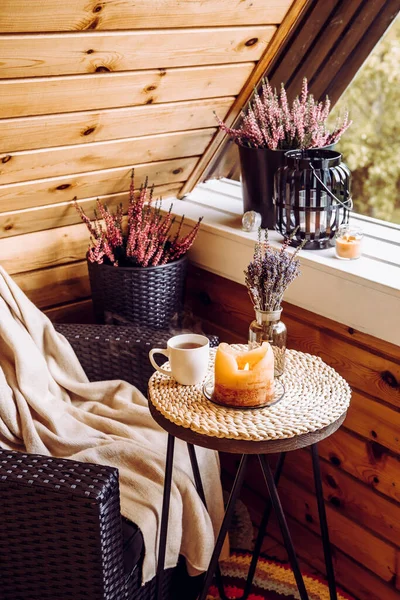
{"type": "Point", "coordinates": [363, 294]}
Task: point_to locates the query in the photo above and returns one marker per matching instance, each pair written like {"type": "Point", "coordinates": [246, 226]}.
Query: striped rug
{"type": "Point", "coordinates": [272, 581]}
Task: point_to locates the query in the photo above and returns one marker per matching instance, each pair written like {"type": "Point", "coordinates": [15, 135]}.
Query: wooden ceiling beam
{"type": "Point", "coordinates": [283, 32]}
{"type": "Point", "coordinates": [343, 76]}
{"type": "Point", "coordinates": [290, 59]}
{"type": "Point", "coordinates": [328, 45]}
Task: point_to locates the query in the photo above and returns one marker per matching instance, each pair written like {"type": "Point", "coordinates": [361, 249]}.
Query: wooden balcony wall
{"type": "Point", "coordinates": [89, 89]}
{"type": "Point", "coordinates": [360, 463]}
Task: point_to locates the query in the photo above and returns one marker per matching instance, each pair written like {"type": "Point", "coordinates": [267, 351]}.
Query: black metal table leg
{"type": "Point", "coordinates": [261, 532]}
{"type": "Point", "coordinates": [200, 491]}
{"type": "Point", "coordinates": [276, 503]}
{"type": "Point", "coordinates": [323, 523]}
{"type": "Point", "coordinates": [164, 515]}
{"type": "Point", "coordinates": [225, 525]}
{"type": "Point", "coordinates": [196, 473]}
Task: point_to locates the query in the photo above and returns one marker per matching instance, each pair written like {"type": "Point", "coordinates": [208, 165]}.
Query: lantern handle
{"type": "Point", "coordinates": [329, 191]}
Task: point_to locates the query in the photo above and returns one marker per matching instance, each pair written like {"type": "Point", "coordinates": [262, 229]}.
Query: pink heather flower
{"type": "Point", "coordinates": [304, 91]}
{"type": "Point", "coordinates": [132, 204]}
{"type": "Point", "coordinates": [157, 256]}
{"type": "Point", "coordinates": [269, 121]}
{"type": "Point", "coordinates": [95, 252]}
{"type": "Point", "coordinates": [84, 218]}
{"type": "Point", "coordinates": [113, 231]}
{"type": "Point", "coordinates": [284, 104]}
{"type": "Point", "coordinates": [181, 246]}
{"type": "Point", "coordinates": [108, 250]}
{"type": "Point", "coordinates": [336, 134]}
{"type": "Point", "coordinates": [325, 110]}
{"type": "Point", "coordinates": [259, 110]}
{"type": "Point", "coordinates": [148, 239]}
{"type": "Point", "coordinates": [99, 250]}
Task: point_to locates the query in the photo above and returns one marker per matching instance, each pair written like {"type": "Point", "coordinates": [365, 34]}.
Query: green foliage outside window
{"type": "Point", "coordinates": [371, 147]}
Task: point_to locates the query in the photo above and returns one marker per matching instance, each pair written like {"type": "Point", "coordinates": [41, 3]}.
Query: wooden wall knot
{"type": "Point", "coordinates": [335, 501]}
{"type": "Point", "coordinates": [335, 460]}
{"type": "Point", "coordinates": [390, 379]}
{"type": "Point", "coordinates": [6, 158]}
{"type": "Point", "coordinates": [93, 24]}
{"type": "Point", "coordinates": [204, 298]}
{"type": "Point", "coordinates": [376, 451]}
{"type": "Point", "coordinates": [331, 481]}
{"type": "Point", "coordinates": [251, 42]}
{"type": "Point", "coordinates": [89, 130]}
{"type": "Point", "coordinates": [309, 518]}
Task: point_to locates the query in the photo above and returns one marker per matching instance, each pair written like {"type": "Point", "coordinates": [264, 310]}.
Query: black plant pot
{"type": "Point", "coordinates": [258, 167]}
{"type": "Point", "coordinates": [149, 296]}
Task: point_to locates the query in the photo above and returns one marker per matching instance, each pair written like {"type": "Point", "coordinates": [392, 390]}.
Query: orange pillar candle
{"type": "Point", "coordinates": [244, 377]}
{"type": "Point", "coordinates": [348, 242]}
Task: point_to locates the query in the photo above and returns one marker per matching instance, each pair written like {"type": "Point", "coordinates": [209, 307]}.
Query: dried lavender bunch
{"type": "Point", "coordinates": [270, 272]}
{"type": "Point", "coordinates": [148, 238]}
{"type": "Point", "coordinates": [269, 121]}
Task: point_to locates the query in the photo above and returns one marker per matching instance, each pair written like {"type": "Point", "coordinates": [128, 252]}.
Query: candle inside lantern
{"type": "Point", "coordinates": [348, 242]}
{"type": "Point", "coordinates": [242, 377]}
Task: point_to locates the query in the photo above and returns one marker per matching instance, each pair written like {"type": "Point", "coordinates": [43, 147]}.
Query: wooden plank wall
{"type": "Point", "coordinates": [360, 463]}
{"type": "Point", "coordinates": [89, 89]}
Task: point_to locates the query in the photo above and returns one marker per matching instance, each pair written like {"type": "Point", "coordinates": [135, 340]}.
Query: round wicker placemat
{"type": "Point", "coordinates": [315, 396]}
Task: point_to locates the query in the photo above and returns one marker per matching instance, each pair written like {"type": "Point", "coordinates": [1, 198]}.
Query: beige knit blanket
{"type": "Point", "coordinates": [48, 406]}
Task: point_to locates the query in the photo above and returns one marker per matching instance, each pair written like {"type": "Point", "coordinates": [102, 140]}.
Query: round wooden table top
{"type": "Point", "coordinates": [311, 403]}
{"type": "Point", "coordinates": [233, 446]}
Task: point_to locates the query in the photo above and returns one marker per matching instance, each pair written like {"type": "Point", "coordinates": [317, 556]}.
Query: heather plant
{"type": "Point", "coordinates": [270, 272]}
{"type": "Point", "coordinates": [147, 238]}
{"type": "Point", "coordinates": [269, 121]}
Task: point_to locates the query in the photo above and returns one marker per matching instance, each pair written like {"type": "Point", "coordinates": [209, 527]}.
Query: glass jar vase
{"type": "Point", "coordinates": [268, 327]}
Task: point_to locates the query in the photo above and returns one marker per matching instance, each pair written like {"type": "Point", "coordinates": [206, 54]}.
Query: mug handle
{"type": "Point", "coordinates": [153, 362]}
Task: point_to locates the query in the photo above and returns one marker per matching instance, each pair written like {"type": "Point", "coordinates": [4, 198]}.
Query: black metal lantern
{"type": "Point", "coordinates": [312, 196]}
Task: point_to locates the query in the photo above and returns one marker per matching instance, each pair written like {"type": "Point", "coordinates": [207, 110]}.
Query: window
{"type": "Point", "coordinates": [371, 147]}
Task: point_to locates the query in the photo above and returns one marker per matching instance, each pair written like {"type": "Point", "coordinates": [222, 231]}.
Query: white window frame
{"type": "Point", "coordinates": [363, 294]}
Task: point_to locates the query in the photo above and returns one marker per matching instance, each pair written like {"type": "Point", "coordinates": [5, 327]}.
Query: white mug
{"type": "Point", "coordinates": [188, 356]}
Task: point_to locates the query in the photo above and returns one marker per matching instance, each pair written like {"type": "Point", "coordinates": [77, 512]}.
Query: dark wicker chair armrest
{"type": "Point", "coordinates": [60, 529]}
{"type": "Point", "coordinates": [117, 352]}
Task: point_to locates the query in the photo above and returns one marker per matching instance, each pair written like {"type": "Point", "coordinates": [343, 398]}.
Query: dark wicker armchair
{"type": "Point", "coordinates": [61, 532]}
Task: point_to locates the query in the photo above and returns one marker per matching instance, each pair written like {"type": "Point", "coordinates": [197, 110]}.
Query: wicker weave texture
{"type": "Point", "coordinates": [149, 296]}
{"type": "Point", "coordinates": [60, 522]}
{"type": "Point", "coordinates": [315, 397]}
{"type": "Point", "coordinates": [60, 531]}
{"type": "Point", "coordinates": [147, 592]}
{"type": "Point", "coordinates": [117, 352]}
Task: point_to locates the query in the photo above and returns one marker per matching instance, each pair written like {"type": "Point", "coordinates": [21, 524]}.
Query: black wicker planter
{"type": "Point", "coordinates": [150, 296]}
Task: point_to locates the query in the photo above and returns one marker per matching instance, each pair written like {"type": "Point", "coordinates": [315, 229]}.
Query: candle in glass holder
{"type": "Point", "coordinates": [244, 377]}
{"type": "Point", "coordinates": [348, 242]}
